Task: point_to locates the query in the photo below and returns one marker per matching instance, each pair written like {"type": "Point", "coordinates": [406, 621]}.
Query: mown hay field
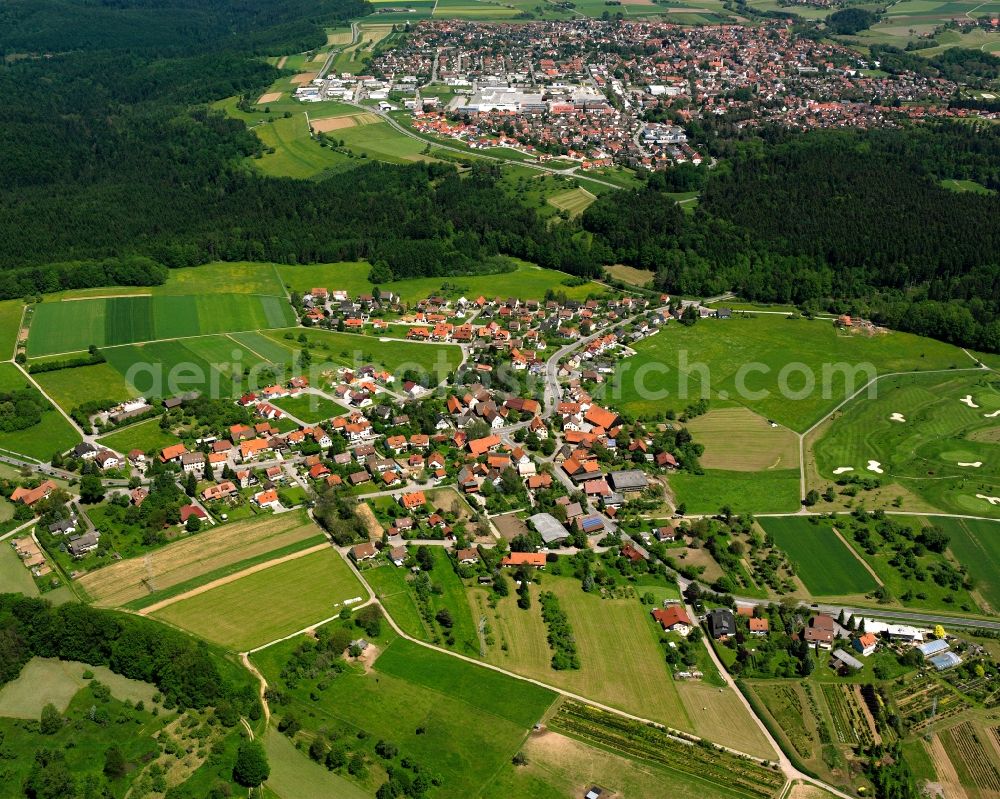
{"type": "Point", "coordinates": [268, 604]}
{"type": "Point", "coordinates": [197, 558]}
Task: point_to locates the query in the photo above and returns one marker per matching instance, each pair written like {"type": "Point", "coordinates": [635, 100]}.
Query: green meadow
{"type": "Point", "coordinates": [774, 491]}
{"type": "Point", "coordinates": [146, 436]}
{"type": "Point", "coordinates": [70, 387]}
{"type": "Point", "coordinates": [293, 153]}
{"type": "Point", "coordinates": [750, 360]}
{"type": "Point", "coordinates": [975, 543]}
{"type": "Point", "coordinates": [824, 564]}
{"type": "Point", "coordinates": [74, 325]}
{"type": "Point", "coordinates": [921, 434]}
{"type": "Point", "coordinates": [52, 434]}
{"type": "Point", "coordinates": [459, 721]}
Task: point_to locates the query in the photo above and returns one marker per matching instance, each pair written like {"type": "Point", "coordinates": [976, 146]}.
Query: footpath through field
{"type": "Point", "coordinates": [230, 578]}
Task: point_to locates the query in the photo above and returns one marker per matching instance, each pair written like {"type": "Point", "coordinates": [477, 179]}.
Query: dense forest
{"type": "Point", "coordinates": [842, 220]}
{"type": "Point", "coordinates": [107, 153]}
{"type": "Point", "coordinates": [182, 668]}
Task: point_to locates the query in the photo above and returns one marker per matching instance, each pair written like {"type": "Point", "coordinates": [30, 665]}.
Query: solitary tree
{"type": "Point", "coordinates": [115, 764]}
{"type": "Point", "coordinates": [51, 721]}
{"type": "Point", "coordinates": [251, 767]}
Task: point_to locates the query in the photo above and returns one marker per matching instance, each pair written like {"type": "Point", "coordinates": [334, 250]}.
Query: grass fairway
{"type": "Point", "coordinates": [73, 325]}
{"type": "Point", "coordinates": [745, 492]}
{"type": "Point", "coordinates": [743, 360]}
{"type": "Point", "coordinates": [737, 439]}
{"type": "Point", "coordinates": [145, 436]}
{"type": "Point", "coordinates": [824, 564]}
{"type": "Point", "coordinates": [296, 154]}
{"type": "Point", "coordinates": [268, 604]}
{"type": "Point", "coordinates": [472, 721]}
{"type": "Point", "coordinates": [620, 656]}
{"type": "Point", "coordinates": [925, 450]}
{"type": "Point", "coordinates": [976, 545]}
{"type": "Point", "coordinates": [52, 434]}
{"type": "Point", "coordinates": [45, 680]}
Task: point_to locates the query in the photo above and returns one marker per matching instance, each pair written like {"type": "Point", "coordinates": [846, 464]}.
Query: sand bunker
{"type": "Point", "coordinates": [967, 399]}
{"type": "Point", "coordinates": [270, 97]}
{"type": "Point", "coordinates": [993, 415]}
{"type": "Point", "coordinates": [875, 466]}
{"type": "Point", "coordinates": [897, 417]}
{"type": "Point", "coordinates": [973, 464]}
{"type": "Point", "coordinates": [842, 469]}
{"type": "Point", "coordinates": [991, 500]}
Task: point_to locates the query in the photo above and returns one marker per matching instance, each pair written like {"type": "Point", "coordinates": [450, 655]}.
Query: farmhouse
{"type": "Point", "coordinates": [193, 461]}
{"type": "Point", "coordinates": [820, 631]}
{"type": "Point", "coordinates": [363, 552]}
{"type": "Point", "coordinates": [106, 459]}
{"type": "Point", "coordinates": [673, 619]}
{"type": "Point", "coordinates": [29, 496]}
{"type": "Point", "coordinates": [721, 623]}
{"type": "Point", "coordinates": [83, 544]}
{"type": "Point", "coordinates": [865, 644]}
{"type": "Point", "coordinates": [533, 559]}
{"type": "Point", "coordinates": [172, 453]}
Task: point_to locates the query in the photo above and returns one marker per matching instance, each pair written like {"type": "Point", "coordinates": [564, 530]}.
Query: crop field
{"type": "Point", "coordinates": [631, 275]}
{"type": "Point", "coordinates": [474, 9]}
{"type": "Point", "coordinates": [974, 759]}
{"type": "Point", "coordinates": [348, 349]}
{"type": "Point", "coordinates": [268, 604]}
{"type": "Point", "coordinates": [195, 560]}
{"type": "Point", "coordinates": [73, 325]}
{"type": "Point", "coordinates": [718, 773]}
{"type": "Point", "coordinates": [922, 432]}
{"type": "Point", "coordinates": [903, 21]}
{"type": "Point", "coordinates": [749, 360]}
{"type": "Point", "coordinates": [459, 721]}
{"type": "Point", "coordinates": [11, 312]}
{"type": "Point", "coordinates": [737, 439]}
{"type": "Point", "coordinates": [52, 434]}
{"type": "Point", "coordinates": [573, 201]}
{"type": "Point", "coordinates": [146, 436]}
{"type": "Point", "coordinates": [211, 364]}
{"type": "Point", "coordinates": [296, 154]}
{"type": "Point", "coordinates": [558, 766]}
{"type": "Point", "coordinates": [826, 566]}
{"type": "Point", "coordinates": [746, 492]}
{"type": "Point", "coordinates": [45, 680]}
{"type": "Point", "coordinates": [788, 707]}
{"type": "Point", "coordinates": [976, 545]}
{"type": "Point", "coordinates": [922, 700]}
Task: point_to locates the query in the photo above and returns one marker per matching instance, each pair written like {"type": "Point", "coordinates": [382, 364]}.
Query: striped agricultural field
{"type": "Point", "coordinates": [73, 325]}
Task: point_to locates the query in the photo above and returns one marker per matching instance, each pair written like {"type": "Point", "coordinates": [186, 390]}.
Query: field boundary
{"type": "Point", "coordinates": [860, 559]}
